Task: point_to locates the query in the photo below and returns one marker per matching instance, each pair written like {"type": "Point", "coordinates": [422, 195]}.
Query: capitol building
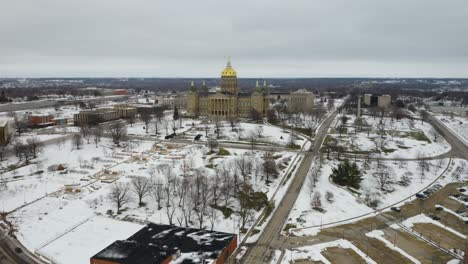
{"type": "Point", "coordinates": [228, 102]}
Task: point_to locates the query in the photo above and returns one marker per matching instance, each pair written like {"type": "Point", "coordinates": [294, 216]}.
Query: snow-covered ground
{"type": "Point", "coordinates": [458, 124]}
{"type": "Point", "coordinates": [347, 204]}
{"type": "Point", "coordinates": [243, 132]}
{"type": "Point", "coordinates": [391, 138]}
{"type": "Point", "coordinates": [54, 208]}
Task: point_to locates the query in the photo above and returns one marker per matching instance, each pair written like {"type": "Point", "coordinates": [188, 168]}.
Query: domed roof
{"type": "Point", "coordinates": [229, 71]}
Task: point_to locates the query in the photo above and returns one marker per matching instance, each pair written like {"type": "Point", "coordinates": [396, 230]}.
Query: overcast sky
{"type": "Point", "coordinates": [175, 38]}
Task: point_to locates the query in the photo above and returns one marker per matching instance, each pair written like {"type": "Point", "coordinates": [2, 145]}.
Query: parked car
{"type": "Point", "coordinates": [197, 137]}
{"type": "Point", "coordinates": [396, 209]}
{"type": "Point", "coordinates": [421, 196]}
{"type": "Point", "coordinates": [439, 208]}
{"type": "Point", "coordinates": [434, 217]}
{"type": "Point", "coordinates": [462, 190]}
{"type": "Point", "coordinates": [18, 250]}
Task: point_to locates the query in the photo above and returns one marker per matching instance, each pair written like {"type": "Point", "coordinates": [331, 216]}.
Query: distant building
{"type": "Point", "coordinates": [155, 244]}
{"type": "Point", "coordinates": [372, 100]}
{"type": "Point", "coordinates": [92, 117]}
{"type": "Point", "coordinates": [300, 101]}
{"type": "Point", "coordinates": [171, 101]}
{"type": "Point", "coordinates": [60, 121]}
{"type": "Point", "coordinates": [125, 110]}
{"type": "Point", "coordinates": [121, 92]}
{"type": "Point", "coordinates": [7, 129]}
{"type": "Point", "coordinates": [41, 120]}
{"type": "Point", "coordinates": [228, 102]}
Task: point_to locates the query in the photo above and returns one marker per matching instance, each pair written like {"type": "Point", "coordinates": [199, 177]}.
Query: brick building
{"type": "Point", "coordinates": [154, 244]}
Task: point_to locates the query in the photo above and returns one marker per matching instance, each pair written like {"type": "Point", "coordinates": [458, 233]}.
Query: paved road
{"type": "Point", "coordinates": [261, 251]}
{"type": "Point", "coordinates": [8, 254]}
{"type": "Point", "coordinates": [459, 147]}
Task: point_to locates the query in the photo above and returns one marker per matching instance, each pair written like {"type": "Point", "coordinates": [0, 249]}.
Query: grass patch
{"type": "Point", "coordinates": [419, 135]}
{"type": "Point", "coordinates": [223, 152]}
{"type": "Point", "coordinates": [289, 226]}
{"type": "Point", "coordinates": [386, 150]}
{"type": "Point", "coordinates": [255, 231]}
{"type": "Point", "coordinates": [293, 146]}
{"type": "Point", "coordinates": [268, 210]}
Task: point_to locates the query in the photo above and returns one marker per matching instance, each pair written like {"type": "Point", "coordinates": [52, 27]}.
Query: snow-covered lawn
{"type": "Point", "coordinates": [458, 124]}
{"type": "Point", "coordinates": [347, 203]}
{"type": "Point", "coordinates": [243, 132]}
{"type": "Point", "coordinates": [390, 138]}
{"type": "Point", "coordinates": [81, 191]}
{"type": "Point", "coordinates": [164, 128]}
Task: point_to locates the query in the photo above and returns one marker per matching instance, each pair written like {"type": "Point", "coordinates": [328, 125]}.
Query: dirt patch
{"type": "Point", "coordinates": [415, 247]}
{"type": "Point", "coordinates": [342, 255]}
{"type": "Point", "coordinates": [378, 251]}
{"type": "Point", "coordinates": [306, 261]}
{"type": "Point", "coordinates": [444, 238]}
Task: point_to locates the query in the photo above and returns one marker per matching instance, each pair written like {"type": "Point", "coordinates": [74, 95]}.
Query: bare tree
{"type": "Point", "coordinates": [97, 133]}
{"type": "Point", "coordinates": [85, 131]}
{"type": "Point", "coordinates": [216, 186]}
{"type": "Point", "coordinates": [330, 197]}
{"type": "Point", "coordinates": [203, 200]}
{"type": "Point", "coordinates": [170, 206]}
{"type": "Point", "coordinates": [317, 200]}
{"type": "Point", "coordinates": [77, 140]}
{"type": "Point", "coordinates": [245, 204]}
{"type": "Point", "coordinates": [213, 215]}
{"type": "Point", "coordinates": [131, 120]}
{"type": "Point", "coordinates": [212, 144]}
{"type": "Point", "coordinates": [120, 194]}
{"type": "Point", "coordinates": [434, 134]}
{"type": "Point", "coordinates": [269, 166]}
{"type": "Point", "coordinates": [35, 145]}
{"type": "Point", "coordinates": [258, 130]}
{"type": "Point", "coordinates": [217, 122]}
{"type": "Point", "coordinates": [243, 164]}
{"type": "Point", "coordinates": [118, 132]}
{"type": "Point", "coordinates": [383, 179]}
{"type": "Point", "coordinates": [142, 187]}
{"type": "Point", "coordinates": [146, 118]}
{"type": "Point", "coordinates": [158, 193]}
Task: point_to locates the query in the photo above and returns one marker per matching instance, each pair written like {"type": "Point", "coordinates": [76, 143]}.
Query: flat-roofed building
{"type": "Point", "coordinates": [157, 243]}
{"type": "Point", "coordinates": [300, 101]}
{"type": "Point", "coordinates": [7, 129]}
{"type": "Point", "coordinates": [372, 100]}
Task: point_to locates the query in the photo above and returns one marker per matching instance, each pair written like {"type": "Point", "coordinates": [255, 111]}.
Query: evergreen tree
{"type": "Point", "coordinates": [176, 113]}
{"type": "Point", "coordinates": [347, 174]}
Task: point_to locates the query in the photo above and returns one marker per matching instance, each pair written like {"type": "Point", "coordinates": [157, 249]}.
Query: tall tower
{"type": "Point", "coordinates": [229, 79]}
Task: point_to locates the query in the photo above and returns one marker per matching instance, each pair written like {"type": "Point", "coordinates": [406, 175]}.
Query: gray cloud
{"type": "Point", "coordinates": [303, 38]}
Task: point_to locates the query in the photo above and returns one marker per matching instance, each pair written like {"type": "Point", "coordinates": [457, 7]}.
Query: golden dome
{"type": "Point", "coordinates": [228, 71]}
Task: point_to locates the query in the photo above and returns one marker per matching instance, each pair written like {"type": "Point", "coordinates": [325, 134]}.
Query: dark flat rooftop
{"type": "Point", "coordinates": [154, 243]}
